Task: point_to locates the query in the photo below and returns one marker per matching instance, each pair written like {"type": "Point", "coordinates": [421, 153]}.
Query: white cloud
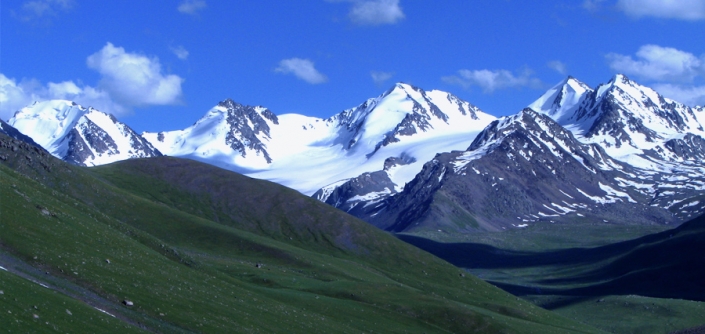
{"type": "Point", "coordinates": [134, 79]}
{"type": "Point", "coordinates": [128, 80]}
{"type": "Point", "coordinates": [13, 96]}
{"type": "Point", "coordinates": [34, 9]}
{"type": "Point", "coordinates": [673, 71]}
{"type": "Point", "coordinates": [490, 81]}
{"type": "Point", "coordinates": [180, 52]}
{"type": "Point", "coordinates": [191, 7]}
{"type": "Point", "coordinates": [380, 77]}
{"type": "Point", "coordinates": [592, 5]}
{"type": "Point", "coordinates": [374, 12]}
{"type": "Point", "coordinates": [689, 10]}
{"type": "Point", "coordinates": [16, 95]}
{"type": "Point", "coordinates": [558, 66]}
{"type": "Point", "coordinates": [659, 64]}
{"type": "Point", "coordinates": [303, 69]}
{"type": "Point", "coordinates": [689, 95]}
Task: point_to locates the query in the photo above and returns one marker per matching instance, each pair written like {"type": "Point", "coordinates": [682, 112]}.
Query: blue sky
{"type": "Point", "coordinates": [160, 65]}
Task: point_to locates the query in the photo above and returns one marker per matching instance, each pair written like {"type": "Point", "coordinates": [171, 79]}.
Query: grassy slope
{"type": "Point", "coordinates": [183, 244]}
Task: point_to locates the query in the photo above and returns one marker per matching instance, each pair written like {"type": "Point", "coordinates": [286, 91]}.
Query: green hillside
{"type": "Point", "coordinates": [197, 249]}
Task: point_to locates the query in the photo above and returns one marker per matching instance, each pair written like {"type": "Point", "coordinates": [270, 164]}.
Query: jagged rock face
{"type": "Point", "coordinates": [78, 149]}
{"type": "Point", "coordinates": [246, 123]}
{"type": "Point", "coordinates": [401, 160]}
{"type": "Point", "coordinates": [359, 195]}
{"type": "Point", "coordinates": [83, 136]}
{"type": "Point", "coordinates": [363, 195]}
{"type": "Point", "coordinates": [690, 150]}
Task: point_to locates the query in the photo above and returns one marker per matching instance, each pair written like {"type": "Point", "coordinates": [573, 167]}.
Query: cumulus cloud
{"type": "Point", "coordinates": [127, 80]}
{"type": "Point", "coordinates": [558, 67]}
{"type": "Point", "coordinates": [180, 52]}
{"type": "Point", "coordinates": [592, 5]}
{"type": "Point", "coordinates": [689, 95]}
{"type": "Point", "coordinates": [380, 77]}
{"type": "Point", "coordinates": [35, 9]}
{"type": "Point", "coordinates": [191, 7]}
{"type": "Point", "coordinates": [491, 80]}
{"type": "Point", "coordinates": [134, 79]}
{"type": "Point", "coordinates": [658, 63]}
{"type": "Point", "coordinates": [14, 95]}
{"type": "Point", "coordinates": [689, 10]}
{"type": "Point", "coordinates": [303, 69]}
{"type": "Point", "coordinates": [376, 12]}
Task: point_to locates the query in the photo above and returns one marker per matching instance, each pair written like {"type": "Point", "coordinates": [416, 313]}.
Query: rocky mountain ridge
{"type": "Point", "coordinates": [620, 153]}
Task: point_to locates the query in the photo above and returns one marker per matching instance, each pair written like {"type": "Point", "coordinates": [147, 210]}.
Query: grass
{"type": "Point", "coordinates": [199, 249]}
{"type": "Point", "coordinates": [627, 313]}
{"type": "Point", "coordinates": [27, 307]}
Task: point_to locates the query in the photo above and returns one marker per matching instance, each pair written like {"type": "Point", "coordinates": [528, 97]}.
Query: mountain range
{"type": "Point", "coordinates": [412, 160]}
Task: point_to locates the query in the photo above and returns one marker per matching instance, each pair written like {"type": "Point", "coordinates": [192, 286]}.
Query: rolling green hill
{"type": "Point", "coordinates": [169, 245]}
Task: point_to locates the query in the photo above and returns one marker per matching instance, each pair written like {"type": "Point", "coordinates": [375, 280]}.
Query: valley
{"type": "Point", "coordinates": [622, 279]}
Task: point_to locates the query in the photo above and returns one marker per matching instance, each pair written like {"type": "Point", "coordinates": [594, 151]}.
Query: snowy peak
{"type": "Point", "coordinates": [48, 122]}
{"type": "Point", "coordinates": [621, 115]}
{"type": "Point", "coordinates": [402, 111]}
{"type": "Point", "coordinates": [84, 136]}
{"type": "Point", "coordinates": [562, 100]}
{"type": "Point", "coordinates": [529, 135]}
{"type": "Point", "coordinates": [229, 130]}
{"type": "Point", "coordinates": [640, 110]}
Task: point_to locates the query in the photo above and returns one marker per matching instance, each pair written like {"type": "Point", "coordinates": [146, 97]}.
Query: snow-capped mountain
{"type": "Point", "coordinates": [83, 136]}
{"type": "Point", "coordinates": [10, 131]}
{"type": "Point", "coordinates": [618, 153]}
{"type": "Point", "coordinates": [519, 170]}
{"type": "Point", "coordinates": [625, 118]}
{"type": "Point", "coordinates": [405, 124]}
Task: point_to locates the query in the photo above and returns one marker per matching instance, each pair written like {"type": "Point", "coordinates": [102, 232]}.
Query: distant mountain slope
{"type": "Point", "coordinates": [520, 170]}
{"type": "Point", "coordinates": [83, 136]}
{"type": "Point", "coordinates": [175, 246]}
{"type": "Point", "coordinates": [308, 153]}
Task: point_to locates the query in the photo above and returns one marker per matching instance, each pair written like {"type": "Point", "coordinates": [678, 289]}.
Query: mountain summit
{"type": "Point", "coordinates": [621, 115]}
{"type": "Point", "coordinates": [83, 136]}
